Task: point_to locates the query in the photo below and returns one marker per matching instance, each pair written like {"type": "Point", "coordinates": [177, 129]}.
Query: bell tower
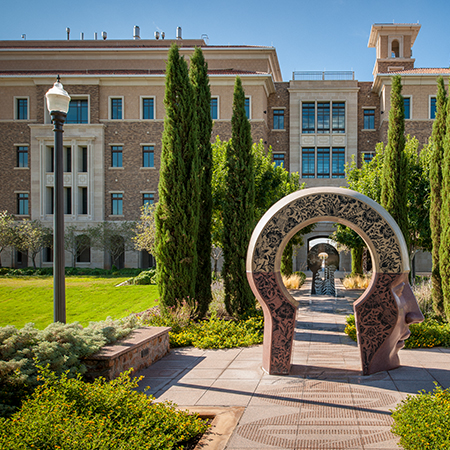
{"type": "Point", "coordinates": [393, 43]}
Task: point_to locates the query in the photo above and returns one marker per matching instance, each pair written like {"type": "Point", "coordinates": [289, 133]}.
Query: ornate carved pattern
{"type": "Point", "coordinates": [338, 206]}
{"type": "Point", "coordinates": [376, 318]}
{"type": "Point", "coordinates": [283, 321]}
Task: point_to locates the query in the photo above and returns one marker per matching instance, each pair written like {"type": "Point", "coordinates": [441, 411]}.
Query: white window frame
{"type": "Point", "coordinates": [111, 97]}
{"type": "Point", "coordinates": [141, 106]}
{"type": "Point", "coordinates": [21, 97]}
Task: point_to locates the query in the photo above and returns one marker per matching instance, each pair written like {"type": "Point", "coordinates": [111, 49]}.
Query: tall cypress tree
{"type": "Point", "coordinates": [177, 212]}
{"type": "Point", "coordinates": [202, 99]}
{"type": "Point", "coordinates": [394, 182]}
{"type": "Point", "coordinates": [444, 248]}
{"type": "Point", "coordinates": [437, 156]}
{"type": "Point", "coordinates": [238, 211]}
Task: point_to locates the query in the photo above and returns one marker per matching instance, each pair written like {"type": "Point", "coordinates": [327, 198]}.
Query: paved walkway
{"type": "Point", "coordinates": [324, 404]}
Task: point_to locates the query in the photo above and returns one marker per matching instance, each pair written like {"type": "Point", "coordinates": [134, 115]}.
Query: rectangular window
{"type": "Point", "coordinates": [78, 111]}
{"type": "Point", "coordinates": [67, 159]}
{"type": "Point", "coordinates": [338, 117]}
{"type": "Point", "coordinates": [369, 119]}
{"type": "Point", "coordinates": [323, 163]}
{"type": "Point", "coordinates": [50, 159]}
{"type": "Point", "coordinates": [308, 167]}
{"type": "Point", "coordinates": [48, 254]}
{"type": "Point", "coordinates": [148, 198]}
{"type": "Point", "coordinates": [148, 108]}
{"type": "Point", "coordinates": [338, 163]}
{"type": "Point", "coordinates": [22, 156]}
{"type": "Point", "coordinates": [116, 156]}
{"type": "Point", "coordinates": [247, 107]}
{"type": "Point", "coordinates": [67, 200]}
{"type": "Point", "coordinates": [82, 200]}
{"type": "Point", "coordinates": [22, 204]}
{"type": "Point", "coordinates": [278, 119]}
{"type": "Point", "coordinates": [278, 159]}
{"type": "Point", "coordinates": [433, 108]}
{"type": "Point", "coordinates": [368, 157]}
{"type": "Point", "coordinates": [83, 159]}
{"type": "Point", "coordinates": [49, 200]}
{"type": "Point", "coordinates": [308, 117]}
{"type": "Point", "coordinates": [116, 204]}
{"type": "Point", "coordinates": [116, 108]}
{"type": "Point", "coordinates": [148, 156]}
{"type": "Point", "coordinates": [213, 108]}
{"type": "Point", "coordinates": [323, 117]}
{"type": "Point", "coordinates": [407, 105]}
{"type": "Point", "coordinates": [21, 108]}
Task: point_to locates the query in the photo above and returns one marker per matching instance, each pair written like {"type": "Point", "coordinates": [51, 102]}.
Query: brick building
{"type": "Point", "coordinates": [112, 139]}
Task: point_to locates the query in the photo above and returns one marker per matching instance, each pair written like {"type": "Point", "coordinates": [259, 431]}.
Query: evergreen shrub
{"type": "Point", "coordinates": [423, 421]}
{"type": "Point", "coordinates": [69, 413]}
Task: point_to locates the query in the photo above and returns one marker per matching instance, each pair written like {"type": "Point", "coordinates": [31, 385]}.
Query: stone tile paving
{"type": "Point", "coordinates": [325, 403]}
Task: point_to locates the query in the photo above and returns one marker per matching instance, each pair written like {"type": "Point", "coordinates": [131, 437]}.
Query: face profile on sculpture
{"type": "Point", "coordinates": [408, 313]}
{"type": "Point", "coordinates": [385, 310]}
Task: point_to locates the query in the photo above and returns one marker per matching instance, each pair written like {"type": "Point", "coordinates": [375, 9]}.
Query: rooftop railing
{"type": "Point", "coordinates": [322, 76]}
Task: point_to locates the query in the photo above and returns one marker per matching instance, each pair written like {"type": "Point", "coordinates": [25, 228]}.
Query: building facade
{"type": "Point", "coordinates": [315, 123]}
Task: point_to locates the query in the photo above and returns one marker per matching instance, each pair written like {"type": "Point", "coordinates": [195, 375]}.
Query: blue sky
{"type": "Point", "coordinates": [308, 35]}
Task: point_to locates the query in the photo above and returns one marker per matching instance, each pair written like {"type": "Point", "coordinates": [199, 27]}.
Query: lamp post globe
{"type": "Point", "coordinates": [58, 106]}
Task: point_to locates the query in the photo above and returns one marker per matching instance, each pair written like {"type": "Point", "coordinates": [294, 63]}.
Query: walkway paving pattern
{"type": "Point", "coordinates": [325, 403]}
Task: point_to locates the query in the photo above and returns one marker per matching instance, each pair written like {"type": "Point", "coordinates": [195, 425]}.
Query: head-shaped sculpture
{"type": "Point", "coordinates": [383, 313]}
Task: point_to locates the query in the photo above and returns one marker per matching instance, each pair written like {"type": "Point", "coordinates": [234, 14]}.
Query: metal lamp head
{"type": "Point", "coordinates": [57, 98]}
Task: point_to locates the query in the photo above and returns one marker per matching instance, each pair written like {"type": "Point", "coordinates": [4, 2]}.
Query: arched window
{"type": "Point", "coordinates": [395, 49]}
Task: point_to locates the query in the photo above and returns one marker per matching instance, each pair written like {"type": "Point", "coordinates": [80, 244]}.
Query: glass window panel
{"type": "Point", "coordinates": [22, 204]}
{"type": "Point", "coordinates": [148, 110]}
{"type": "Point", "coordinates": [247, 107]}
{"type": "Point", "coordinates": [308, 166]}
{"type": "Point", "coordinates": [78, 111]}
{"type": "Point", "coordinates": [278, 159]}
{"type": "Point", "coordinates": [116, 208]}
{"type": "Point", "coordinates": [433, 108]}
{"type": "Point", "coordinates": [323, 117]}
{"type": "Point", "coordinates": [338, 113]}
{"type": "Point", "coordinates": [148, 199]}
{"type": "Point", "coordinates": [308, 117]}
{"type": "Point", "coordinates": [116, 108]}
{"type": "Point", "coordinates": [22, 156]}
{"type": "Point", "coordinates": [407, 105]}
{"type": "Point", "coordinates": [338, 163]}
{"type": "Point", "coordinates": [369, 119]}
{"type": "Point", "coordinates": [213, 109]}
{"type": "Point", "coordinates": [278, 119]}
{"type": "Point", "coordinates": [323, 163]}
{"type": "Point", "coordinates": [148, 156]}
{"type": "Point", "coordinates": [116, 156]}
{"type": "Point", "coordinates": [22, 109]}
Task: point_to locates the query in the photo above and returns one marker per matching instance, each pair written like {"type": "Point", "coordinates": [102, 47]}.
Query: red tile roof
{"type": "Point", "coordinates": [420, 71]}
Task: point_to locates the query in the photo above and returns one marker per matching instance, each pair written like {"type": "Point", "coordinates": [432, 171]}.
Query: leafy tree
{"type": "Point", "coordinates": [145, 230]}
{"type": "Point", "coordinates": [347, 239]}
{"type": "Point", "coordinates": [6, 231]}
{"type": "Point", "coordinates": [202, 98]}
{"type": "Point", "coordinates": [32, 236]}
{"type": "Point", "coordinates": [394, 182]}
{"type": "Point", "coordinates": [437, 156]}
{"type": "Point", "coordinates": [444, 248]}
{"type": "Point", "coordinates": [114, 238]}
{"type": "Point", "coordinates": [76, 241]}
{"type": "Point", "coordinates": [177, 211]}
{"type": "Point", "coordinates": [238, 208]}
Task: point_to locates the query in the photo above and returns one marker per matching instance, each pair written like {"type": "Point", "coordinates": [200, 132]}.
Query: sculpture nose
{"type": "Point", "coordinates": [414, 316]}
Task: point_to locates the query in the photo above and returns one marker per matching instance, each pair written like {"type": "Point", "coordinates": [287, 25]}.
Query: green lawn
{"type": "Point", "coordinates": [88, 299]}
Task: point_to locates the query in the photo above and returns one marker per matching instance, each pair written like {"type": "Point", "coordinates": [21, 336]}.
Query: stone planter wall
{"type": "Point", "coordinates": [140, 349]}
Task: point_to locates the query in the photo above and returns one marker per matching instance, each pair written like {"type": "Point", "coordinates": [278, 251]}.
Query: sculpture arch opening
{"type": "Point", "coordinates": [385, 310]}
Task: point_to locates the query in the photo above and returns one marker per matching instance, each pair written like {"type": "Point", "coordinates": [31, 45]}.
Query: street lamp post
{"type": "Point", "coordinates": [58, 106]}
